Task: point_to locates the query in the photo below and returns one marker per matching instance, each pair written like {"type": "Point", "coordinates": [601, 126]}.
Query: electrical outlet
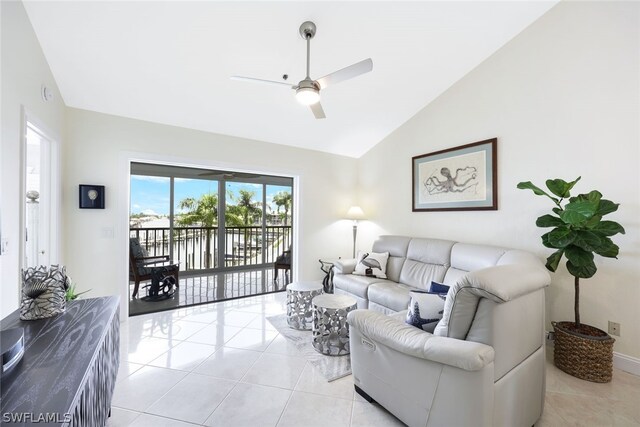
{"type": "Point", "coordinates": [614, 328]}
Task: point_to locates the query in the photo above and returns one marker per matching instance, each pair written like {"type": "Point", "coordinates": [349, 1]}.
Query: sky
{"type": "Point", "coordinates": [150, 194]}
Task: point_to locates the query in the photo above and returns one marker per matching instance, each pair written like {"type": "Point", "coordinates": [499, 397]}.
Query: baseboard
{"type": "Point", "coordinates": [626, 363]}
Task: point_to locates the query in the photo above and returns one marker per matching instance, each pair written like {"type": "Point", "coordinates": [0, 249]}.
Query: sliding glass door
{"type": "Point", "coordinates": [195, 223]}
{"type": "Point", "coordinates": [243, 218]}
{"type": "Point", "coordinates": [211, 221]}
{"type": "Point", "coordinates": [278, 220]}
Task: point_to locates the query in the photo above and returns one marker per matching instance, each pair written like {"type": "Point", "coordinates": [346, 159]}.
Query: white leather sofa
{"type": "Point", "coordinates": [484, 365]}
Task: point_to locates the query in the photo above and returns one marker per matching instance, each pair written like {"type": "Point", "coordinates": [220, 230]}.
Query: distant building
{"type": "Point", "coordinates": [149, 222]}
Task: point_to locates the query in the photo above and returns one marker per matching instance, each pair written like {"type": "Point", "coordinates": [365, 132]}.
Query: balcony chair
{"type": "Point", "coordinates": [283, 262]}
{"type": "Point", "coordinates": [142, 266]}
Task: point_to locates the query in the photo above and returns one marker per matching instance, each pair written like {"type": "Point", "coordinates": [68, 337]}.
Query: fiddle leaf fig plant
{"type": "Point", "coordinates": [578, 230]}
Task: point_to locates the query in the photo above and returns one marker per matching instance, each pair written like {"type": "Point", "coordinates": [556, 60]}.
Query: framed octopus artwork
{"type": "Point", "coordinates": [463, 178]}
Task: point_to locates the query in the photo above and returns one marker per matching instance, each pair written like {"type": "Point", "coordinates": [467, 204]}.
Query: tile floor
{"type": "Point", "coordinates": [224, 365]}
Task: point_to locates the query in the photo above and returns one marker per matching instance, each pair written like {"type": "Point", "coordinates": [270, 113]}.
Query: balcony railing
{"type": "Point", "coordinates": [197, 248]}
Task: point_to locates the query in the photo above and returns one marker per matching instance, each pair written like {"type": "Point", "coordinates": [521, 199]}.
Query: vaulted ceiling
{"type": "Point", "coordinates": [170, 62]}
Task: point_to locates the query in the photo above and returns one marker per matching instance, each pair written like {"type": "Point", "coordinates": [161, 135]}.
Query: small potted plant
{"type": "Point", "coordinates": [71, 294]}
{"type": "Point", "coordinates": [578, 232]}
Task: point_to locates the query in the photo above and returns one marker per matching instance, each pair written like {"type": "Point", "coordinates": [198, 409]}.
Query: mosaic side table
{"type": "Point", "coordinates": [299, 296]}
{"type": "Point", "coordinates": [330, 329]}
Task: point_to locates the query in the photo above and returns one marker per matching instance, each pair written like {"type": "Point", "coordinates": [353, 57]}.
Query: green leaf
{"type": "Point", "coordinates": [593, 221]}
{"type": "Point", "coordinates": [528, 185]}
{"type": "Point", "coordinates": [578, 212]}
{"type": "Point", "coordinates": [549, 221]}
{"type": "Point", "coordinates": [607, 248]}
{"type": "Point", "coordinates": [560, 187]}
{"type": "Point", "coordinates": [606, 207]}
{"type": "Point", "coordinates": [607, 228]}
{"type": "Point", "coordinates": [546, 243]}
{"type": "Point", "coordinates": [578, 257]}
{"type": "Point", "coordinates": [587, 240]}
{"type": "Point", "coordinates": [557, 211]}
{"type": "Point", "coordinates": [561, 237]}
{"type": "Point", "coordinates": [592, 196]}
{"type": "Point", "coordinates": [553, 260]}
{"type": "Point", "coordinates": [557, 186]}
{"type": "Point", "coordinates": [583, 271]}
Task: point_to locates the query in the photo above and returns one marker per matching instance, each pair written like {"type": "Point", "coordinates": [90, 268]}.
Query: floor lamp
{"type": "Point", "coordinates": [355, 214]}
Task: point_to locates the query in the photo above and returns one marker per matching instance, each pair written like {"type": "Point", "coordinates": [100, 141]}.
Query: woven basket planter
{"type": "Point", "coordinates": [586, 357]}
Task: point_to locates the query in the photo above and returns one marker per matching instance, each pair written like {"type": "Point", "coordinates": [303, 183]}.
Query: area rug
{"type": "Point", "coordinates": [331, 367]}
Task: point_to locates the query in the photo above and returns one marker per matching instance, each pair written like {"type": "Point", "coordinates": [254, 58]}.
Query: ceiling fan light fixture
{"type": "Point", "coordinates": [308, 95]}
{"type": "Point", "coordinates": [308, 90]}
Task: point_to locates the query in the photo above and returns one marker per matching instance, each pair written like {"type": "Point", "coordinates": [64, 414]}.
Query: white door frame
{"type": "Point", "coordinates": [124, 197]}
{"type": "Point", "coordinates": [54, 205]}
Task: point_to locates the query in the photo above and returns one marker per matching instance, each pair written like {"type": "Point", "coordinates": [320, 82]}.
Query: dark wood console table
{"type": "Point", "coordinates": [69, 368]}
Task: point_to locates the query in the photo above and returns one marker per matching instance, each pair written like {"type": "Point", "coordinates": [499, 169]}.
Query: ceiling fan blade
{"type": "Point", "coordinates": [318, 111]}
{"type": "Point", "coordinates": [245, 175]}
{"type": "Point", "coordinates": [252, 80]}
{"type": "Point", "coordinates": [230, 175]}
{"type": "Point", "coordinates": [346, 73]}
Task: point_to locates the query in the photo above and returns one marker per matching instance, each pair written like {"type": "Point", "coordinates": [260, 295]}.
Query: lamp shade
{"type": "Point", "coordinates": [355, 213]}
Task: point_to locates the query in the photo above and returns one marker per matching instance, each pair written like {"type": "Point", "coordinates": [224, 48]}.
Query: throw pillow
{"type": "Point", "coordinates": [425, 310]}
{"type": "Point", "coordinates": [438, 288]}
{"type": "Point", "coordinates": [372, 264]}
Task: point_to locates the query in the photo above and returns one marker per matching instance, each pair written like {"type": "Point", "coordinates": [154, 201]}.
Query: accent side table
{"type": "Point", "coordinates": [330, 328]}
{"type": "Point", "coordinates": [299, 296]}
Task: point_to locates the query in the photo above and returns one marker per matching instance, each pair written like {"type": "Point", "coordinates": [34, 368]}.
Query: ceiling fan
{"type": "Point", "coordinates": [231, 175]}
{"type": "Point", "coordinates": [308, 90]}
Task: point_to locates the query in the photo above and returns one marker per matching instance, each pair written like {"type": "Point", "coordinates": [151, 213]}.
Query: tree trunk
{"type": "Point", "coordinates": [577, 300]}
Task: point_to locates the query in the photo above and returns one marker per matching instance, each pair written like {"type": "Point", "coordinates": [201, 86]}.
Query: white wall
{"type": "Point", "coordinates": [24, 70]}
{"type": "Point", "coordinates": [96, 150]}
{"type": "Point", "coordinates": [563, 100]}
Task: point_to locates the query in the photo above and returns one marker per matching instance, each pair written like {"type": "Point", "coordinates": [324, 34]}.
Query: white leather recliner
{"type": "Point", "coordinates": [485, 363]}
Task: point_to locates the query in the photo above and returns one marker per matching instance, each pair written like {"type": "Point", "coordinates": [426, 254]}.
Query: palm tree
{"type": "Point", "coordinates": [202, 212]}
{"type": "Point", "coordinates": [283, 199]}
{"type": "Point", "coordinates": [245, 212]}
